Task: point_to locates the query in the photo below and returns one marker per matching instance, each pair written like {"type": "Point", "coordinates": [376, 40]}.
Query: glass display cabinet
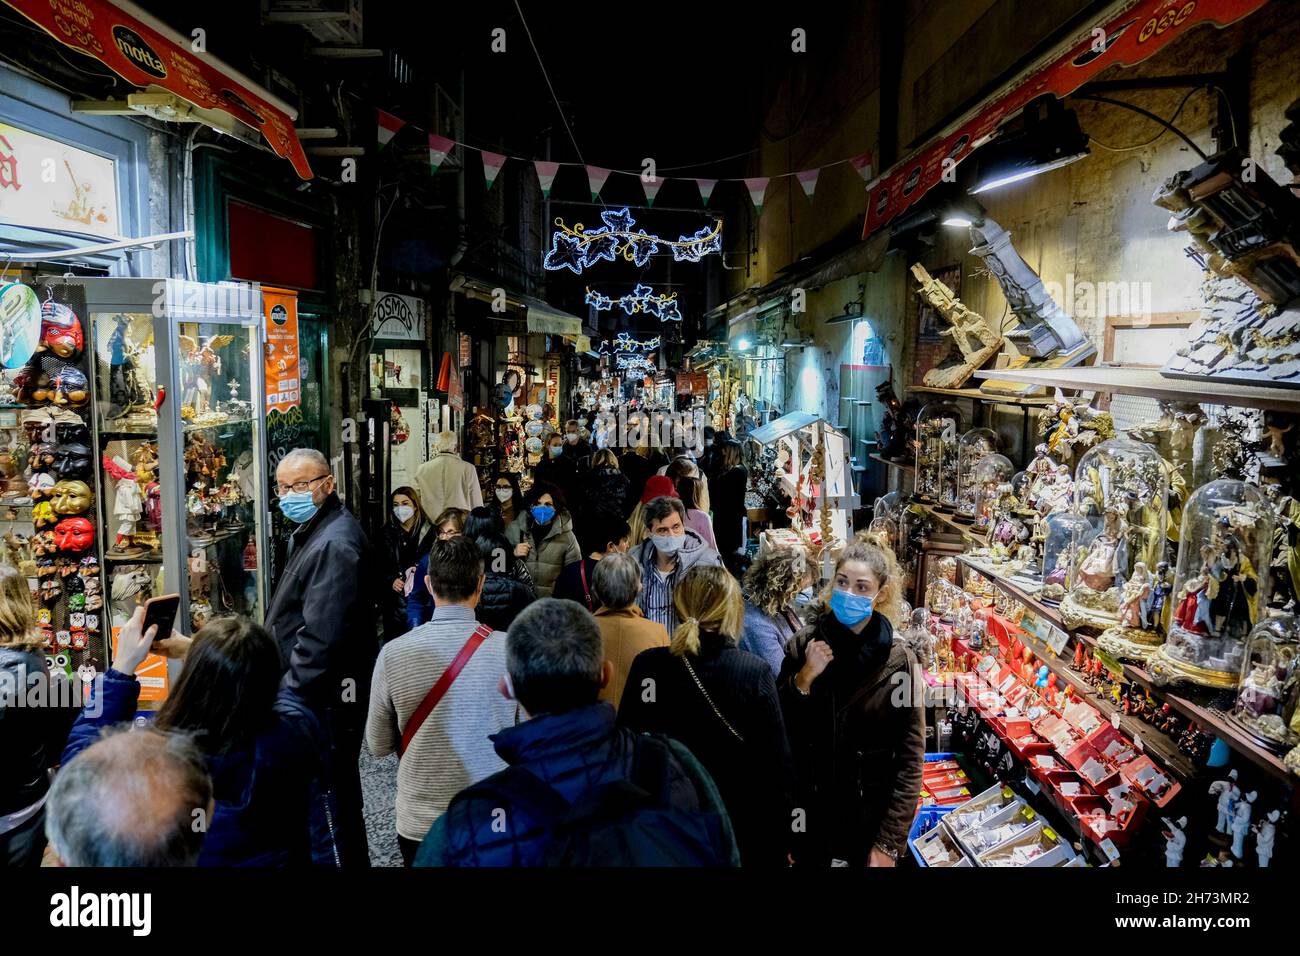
{"type": "Point", "coordinates": [973, 447]}
{"type": "Point", "coordinates": [1067, 539]}
{"type": "Point", "coordinates": [989, 482]}
{"type": "Point", "coordinates": [1121, 487]}
{"type": "Point", "coordinates": [1267, 699]}
{"type": "Point", "coordinates": [1219, 587]}
{"type": "Point", "coordinates": [937, 429]}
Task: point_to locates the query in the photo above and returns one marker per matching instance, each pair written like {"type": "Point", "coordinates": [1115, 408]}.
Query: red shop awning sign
{"type": "Point", "coordinates": [1134, 33]}
{"type": "Point", "coordinates": [141, 55]}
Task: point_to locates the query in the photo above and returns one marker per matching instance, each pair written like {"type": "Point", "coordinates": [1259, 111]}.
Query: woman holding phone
{"type": "Point", "coordinates": [263, 745]}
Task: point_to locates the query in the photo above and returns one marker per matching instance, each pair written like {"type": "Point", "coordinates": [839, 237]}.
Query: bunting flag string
{"type": "Point", "coordinates": [440, 147]}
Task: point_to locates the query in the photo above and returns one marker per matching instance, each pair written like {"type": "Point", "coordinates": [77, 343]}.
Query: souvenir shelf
{"type": "Point", "coordinates": [938, 426]}
{"type": "Point", "coordinates": [972, 448]}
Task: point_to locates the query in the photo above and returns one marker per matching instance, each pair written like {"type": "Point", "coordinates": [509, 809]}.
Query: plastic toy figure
{"type": "Point", "coordinates": [1266, 837]}
{"type": "Point", "coordinates": [1175, 841]}
{"type": "Point", "coordinates": [1241, 824]}
{"type": "Point", "coordinates": [1227, 792]}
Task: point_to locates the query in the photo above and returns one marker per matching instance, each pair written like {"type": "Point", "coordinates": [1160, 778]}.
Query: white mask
{"type": "Point", "coordinates": [505, 494]}
{"type": "Point", "coordinates": [403, 513]}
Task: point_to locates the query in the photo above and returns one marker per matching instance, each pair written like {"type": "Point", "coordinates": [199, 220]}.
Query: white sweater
{"type": "Point", "coordinates": [451, 750]}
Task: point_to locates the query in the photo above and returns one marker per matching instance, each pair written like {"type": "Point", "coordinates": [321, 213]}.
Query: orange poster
{"type": "Point", "coordinates": [152, 674]}
{"type": "Point", "coordinates": [283, 386]}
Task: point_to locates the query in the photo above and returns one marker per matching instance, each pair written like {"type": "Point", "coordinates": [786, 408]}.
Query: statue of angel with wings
{"type": "Point", "coordinates": [200, 364]}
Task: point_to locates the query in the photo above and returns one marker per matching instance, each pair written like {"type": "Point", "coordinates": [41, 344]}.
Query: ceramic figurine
{"type": "Point", "coordinates": [1241, 824]}
{"type": "Point", "coordinates": [1226, 791]}
{"type": "Point", "coordinates": [1175, 841]}
{"type": "Point", "coordinates": [1266, 837]}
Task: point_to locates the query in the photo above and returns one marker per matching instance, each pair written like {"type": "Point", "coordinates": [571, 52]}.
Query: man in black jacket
{"type": "Point", "coordinates": [323, 618]}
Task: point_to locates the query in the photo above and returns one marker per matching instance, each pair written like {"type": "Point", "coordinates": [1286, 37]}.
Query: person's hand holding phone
{"type": "Point", "coordinates": [133, 644]}
{"type": "Point", "coordinates": [175, 647]}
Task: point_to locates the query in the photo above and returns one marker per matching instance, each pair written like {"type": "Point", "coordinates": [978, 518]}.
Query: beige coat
{"type": "Point", "coordinates": [626, 634]}
{"type": "Point", "coordinates": [447, 481]}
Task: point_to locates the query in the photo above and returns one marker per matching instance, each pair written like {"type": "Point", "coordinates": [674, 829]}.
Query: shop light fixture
{"type": "Point", "coordinates": [1049, 139]}
{"type": "Point", "coordinates": [742, 345]}
{"type": "Point", "coordinates": [963, 213]}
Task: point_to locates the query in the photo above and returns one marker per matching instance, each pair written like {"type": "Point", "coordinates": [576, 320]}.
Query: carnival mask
{"type": "Point", "coordinates": [72, 497]}
{"type": "Point", "coordinates": [60, 330]}
{"type": "Point", "coordinates": [45, 567]}
{"type": "Point", "coordinates": [40, 457]}
{"type": "Point", "coordinates": [73, 461]}
{"type": "Point", "coordinates": [69, 387]}
{"type": "Point", "coordinates": [90, 568]}
{"type": "Point", "coordinates": [43, 515]}
{"type": "Point", "coordinates": [74, 534]}
{"type": "Point", "coordinates": [50, 590]}
{"type": "Point", "coordinates": [43, 544]}
{"type": "Point", "coordinates": [72, 433]}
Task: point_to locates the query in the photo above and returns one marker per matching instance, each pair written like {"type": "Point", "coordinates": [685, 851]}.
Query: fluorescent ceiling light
{"type": "Point", "coordinates": [1017, 176]}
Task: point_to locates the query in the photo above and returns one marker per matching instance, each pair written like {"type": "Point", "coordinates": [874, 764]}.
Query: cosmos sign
{"type": "Point", "coordinates": [132, 46]}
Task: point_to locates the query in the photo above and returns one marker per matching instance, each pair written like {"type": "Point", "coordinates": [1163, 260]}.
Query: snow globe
{"type": "Point", "coordinates": [974, 446]}
{"type": "Point", "coordinates": [1067, 538]}
{"type": "Point", "coordinates": [990, 480]}
{"type": "Point", "coordinates": [1121, 487]}
{"type": "Point", "coordinates": [1219, 584]}
{"type": "Point", "coordinates": [1270, 683]}
{"type": "Point", "coordinates": [937, 428]}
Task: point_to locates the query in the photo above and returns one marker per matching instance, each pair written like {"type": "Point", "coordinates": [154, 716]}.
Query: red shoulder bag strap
{"type": "Point", "coordinates": [586, 591]}
{"type": "Point", "coordinates": [442, 685]}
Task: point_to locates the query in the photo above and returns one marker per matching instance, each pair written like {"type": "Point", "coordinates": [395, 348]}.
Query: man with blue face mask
{"type": "Point", "coordinates": [323, 619]}
{"type": "Point", "coordinates": [670, 549]}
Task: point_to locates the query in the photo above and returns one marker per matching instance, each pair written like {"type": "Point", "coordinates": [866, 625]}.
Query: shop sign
{"type": "Point", "coordinates": [1139, 29]}
{"type": "Point", "coordinates": [401, 317]}
{"type": "Point", "coordinates": [280, 370]}
{"type": "Point", "coordinates": [143, 56]}
{"type": "Point", "coordinates": [46, 184]}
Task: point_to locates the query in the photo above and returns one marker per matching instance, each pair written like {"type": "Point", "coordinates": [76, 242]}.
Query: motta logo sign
{"type": "Point", "coordinates": [138, 52]}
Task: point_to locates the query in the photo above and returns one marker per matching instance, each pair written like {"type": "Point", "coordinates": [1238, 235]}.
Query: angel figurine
{"type": "Point", "coordinates": [201, 364]}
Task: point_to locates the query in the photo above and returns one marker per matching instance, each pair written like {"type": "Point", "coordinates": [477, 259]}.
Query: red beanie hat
{"type": "Point", "coordinates": [657, 486]}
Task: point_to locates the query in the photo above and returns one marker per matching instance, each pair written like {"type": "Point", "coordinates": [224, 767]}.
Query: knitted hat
{"type": "Point", "coordinates": [657, 486]}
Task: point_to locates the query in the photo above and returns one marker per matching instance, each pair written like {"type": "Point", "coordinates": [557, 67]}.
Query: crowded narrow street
{"type": "Point", "coordinates": [854, 435]}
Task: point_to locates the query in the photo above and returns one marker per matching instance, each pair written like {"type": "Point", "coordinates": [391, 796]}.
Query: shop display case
{"type": "Point", "coordinates": [989, 481]}
{"type": "Point", "coordinates": [1121, 487]}
{"type": "Point", "coordinates": [1219, 586]}
{"type": "Point", "coordinates": [972, 448]}
{"type": "Point", "coordinates": [1269, 693]}
{"type": "Point", "coordinates": [937, 429]}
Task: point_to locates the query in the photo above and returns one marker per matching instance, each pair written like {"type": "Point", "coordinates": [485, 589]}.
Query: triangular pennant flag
{"type": "Point", "coordinates": [706, 188]}
{"type": "Point", "coordinates": [546, 174]}
{"type": "Point", "coordinates": [388, 127]}
{"type": "Point", "coordinates": [808, 180]}
{"type": "Point", "coordinates": [862, 163]}
{"type": "Point", "coordinates": [652, 187]}
{"type": "Point", "coordinates": [492, 163]}
{"type": "Point", "coordinates": [757, 186]}
{"type": "Point", "coordinates": [439, 147]}
{"type": "Point", "coordinates": [596, 176]}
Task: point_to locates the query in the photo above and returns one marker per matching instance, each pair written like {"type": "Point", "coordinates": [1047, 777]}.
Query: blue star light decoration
{"type": "Point", "coordinates": [641, 299]}
{"type": "Point", "coordinates": [576, 248]}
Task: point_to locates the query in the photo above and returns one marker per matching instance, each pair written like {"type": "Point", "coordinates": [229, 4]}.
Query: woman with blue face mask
{"type": "Point", "coordinates": [854, 708]}
{"type": "Point", "coordinates": [542, 536]}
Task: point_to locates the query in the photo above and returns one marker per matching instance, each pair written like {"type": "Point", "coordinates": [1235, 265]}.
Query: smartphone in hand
{"type": "Point", "coordinates": [161, 611]}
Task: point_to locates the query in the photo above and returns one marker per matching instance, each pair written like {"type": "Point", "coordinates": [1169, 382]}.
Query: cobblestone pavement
{"type": "Point", "coordinates": [379, 793]}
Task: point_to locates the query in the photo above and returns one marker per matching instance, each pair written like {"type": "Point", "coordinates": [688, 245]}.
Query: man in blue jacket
{"type": "Point", "coordinates": [579, 790]}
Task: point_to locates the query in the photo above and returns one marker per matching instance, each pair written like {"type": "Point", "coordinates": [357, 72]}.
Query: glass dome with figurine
{"type": "Point", "coordinates": [1267, 699]}
{"type": "Point", "coordinates": [937, 428]}
{"type": "Point", "coordinates": [887, 506]}
{"type": "Point", "coordinates": [973, 447]}
{"type": "Point", "coordinates": [1067, 538]}
{"type": "Point", "coordinates": [990, 480]}
{"type": "Point", "coordinates": [887, 530]}
{"type": "Point", "coordinates": [1120, 487]}
{"type": "Point", "coordinates": [1220, 585]}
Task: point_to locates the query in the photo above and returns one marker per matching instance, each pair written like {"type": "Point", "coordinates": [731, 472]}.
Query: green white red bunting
{"type": "Point", "coordinates": [492, 163]}
{"type": "Point", "coordinates": [706, 189]}
{"type": "Point", "coordinates": [388, 126]}
{"type": "Point", "coordinates": [439, 147]}
{"type": "Point", "coordinates": [652, 186]}
{"type": "Point", "coordinates": [862, 163]}
{"type": "Point", "coordinates": [546, 175]}
{"type": "Point", "coordinates": [757, 186]}
{"type": "Point", "coordinates": [596, 176]}
{"type": "Point", "coordinates": [808, 180]}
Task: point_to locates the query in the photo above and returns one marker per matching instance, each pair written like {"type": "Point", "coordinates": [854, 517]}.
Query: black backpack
{"type": "Point", "coordinates": [625, 823]}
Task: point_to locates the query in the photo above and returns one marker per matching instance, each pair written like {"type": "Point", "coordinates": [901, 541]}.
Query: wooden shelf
{"type": "Point", "coordinates": [904, 466]}
{"type": "Point", "coordinates": [1232, 735]}
{"type": "Point", "coordinates": [1148, 382]}
{"type": "Point", "coordinates": [977, 395]}
{"type": "Point", "coordinates": [967, 531]}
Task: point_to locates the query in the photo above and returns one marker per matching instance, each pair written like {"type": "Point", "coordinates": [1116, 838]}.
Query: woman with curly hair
{"type": "Point", "coordinates": [772, 583]}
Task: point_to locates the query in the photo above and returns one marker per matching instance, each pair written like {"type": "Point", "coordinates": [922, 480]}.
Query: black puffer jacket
{"type": "Point", "coordinates": [504, 596]}
{"type": "Point", "coordinates": [608, 490]}
{"type": "Point", "coordinates": [30, 736]}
